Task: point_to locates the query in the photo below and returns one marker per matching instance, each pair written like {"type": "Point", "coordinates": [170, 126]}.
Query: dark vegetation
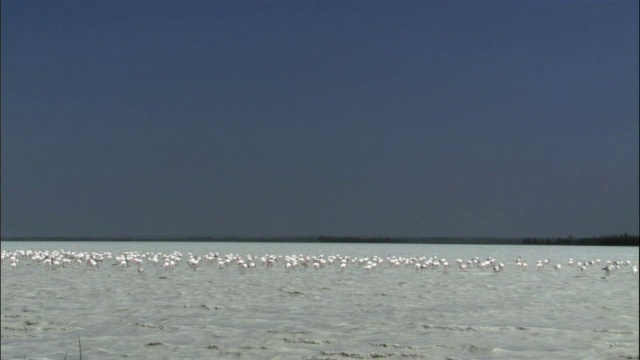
{"type": "Point", "coordinates": [606, 240]}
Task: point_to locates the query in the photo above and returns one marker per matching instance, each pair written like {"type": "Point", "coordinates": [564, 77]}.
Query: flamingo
{"type": "Point", "coordinates": [557, 267]}
{"type": "Point", "coordinates": [47, 264]}
{"type": "Point", "coordinates": [496, 269]}
{"type": "Point", "coordinates": [445, 266]}
{"type": "Point", "coordinates": [583, 269]}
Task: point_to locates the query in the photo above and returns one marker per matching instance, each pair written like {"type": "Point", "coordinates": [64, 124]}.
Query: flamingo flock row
{"type": "Point", "coordinates": [61, 259]}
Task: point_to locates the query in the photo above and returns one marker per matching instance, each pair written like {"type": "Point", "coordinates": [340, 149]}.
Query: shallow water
{"type": "Point", "coordinates": [325, 314]}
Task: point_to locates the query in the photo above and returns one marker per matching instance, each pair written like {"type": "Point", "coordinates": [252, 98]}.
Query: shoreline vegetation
{"type": "Point", "coordinates": [606, 240]}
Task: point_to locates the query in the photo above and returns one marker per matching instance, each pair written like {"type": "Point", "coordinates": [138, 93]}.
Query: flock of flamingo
{"type": "Point", "coordinates": [58, 260]}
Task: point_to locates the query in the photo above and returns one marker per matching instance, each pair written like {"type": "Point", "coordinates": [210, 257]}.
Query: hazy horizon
{"type": "Point", "coordinates": [250, 237]}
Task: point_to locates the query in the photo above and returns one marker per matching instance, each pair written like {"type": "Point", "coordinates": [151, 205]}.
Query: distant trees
{"type": "Point", "coordinates": [604, 240]}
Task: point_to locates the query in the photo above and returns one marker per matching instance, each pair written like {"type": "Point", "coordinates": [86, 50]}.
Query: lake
{"type": "Point", "coordinates": [324, 313]}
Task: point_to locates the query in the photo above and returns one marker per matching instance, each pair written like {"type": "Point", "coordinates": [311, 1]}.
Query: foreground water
{"type": "Point", "coordinates": [325, 313]}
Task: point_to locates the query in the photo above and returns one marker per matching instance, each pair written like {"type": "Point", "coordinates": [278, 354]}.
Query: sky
{"type": "Point", "coordinates": [308, 118]}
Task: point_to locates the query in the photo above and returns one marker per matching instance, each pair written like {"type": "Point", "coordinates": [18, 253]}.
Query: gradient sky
{"type": "Point", "coordinates": [260, 118]}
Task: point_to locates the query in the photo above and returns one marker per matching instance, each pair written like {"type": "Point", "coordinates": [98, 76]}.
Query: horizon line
{"type": "Point", "coordinates": [625, 234]}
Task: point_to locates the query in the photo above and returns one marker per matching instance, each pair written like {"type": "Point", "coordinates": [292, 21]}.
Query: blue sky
{"type": "Point", "coordinates": [362, 118]}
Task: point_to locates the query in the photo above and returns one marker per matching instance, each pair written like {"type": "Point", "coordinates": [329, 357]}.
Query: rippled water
{"type": "Point", "coordinates": [324, 314]}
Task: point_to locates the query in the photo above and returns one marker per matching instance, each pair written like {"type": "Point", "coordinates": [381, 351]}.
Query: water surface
{"type": "Point", "coordinates": [323, 314]}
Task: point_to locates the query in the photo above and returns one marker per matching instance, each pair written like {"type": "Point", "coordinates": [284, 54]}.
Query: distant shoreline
{"type": "Point", "coordinates": [610, 240]}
